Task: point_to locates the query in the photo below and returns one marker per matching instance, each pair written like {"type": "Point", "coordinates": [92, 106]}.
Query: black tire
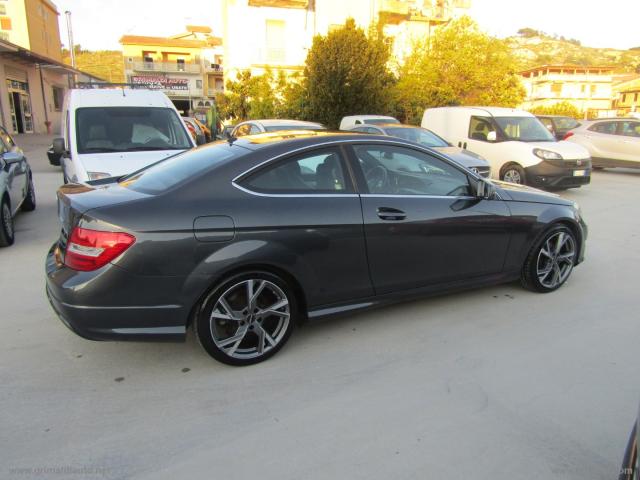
{"type": "Point", "coordinates": [511, 171]}
{"type": "Point", "coordinates": [537, 259]}
{"type": "Point", "coordinates": [245, 325]}
{"type": "Point", "coordinates": [29, 203]}
{"type": "Point", "coordinates": [7, 233]}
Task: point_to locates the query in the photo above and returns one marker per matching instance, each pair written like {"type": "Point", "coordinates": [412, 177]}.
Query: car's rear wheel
{"type": "Point", "coordinates": [551, 260]}
{"type": "Point", "coordinates": [247, 318]}
{"type": "Point", "coordinates": [29, 203]}
{"type": "Point", "coordinates": [513, 174]}
{"type": "Point", "coordinates": [6, 224]}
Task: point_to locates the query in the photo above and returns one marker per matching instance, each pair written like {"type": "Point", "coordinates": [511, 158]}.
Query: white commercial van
{"type": "Point", "coordinates": [515, 143]}
{"type": "Point", "coordinates": [347, 123]}
{"type": "Point", "coordinates": [109, 132]}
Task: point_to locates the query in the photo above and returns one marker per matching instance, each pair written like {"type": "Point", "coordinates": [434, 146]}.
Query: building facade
{"type": "Point", "coordinates": [33, 79]}
{"type": "Point", "coordinates": [187, 67]}
{"type": "Point", "coordinates": [626, 96]}
{"type": "Point", "coordinates": [277, 34]}
{"type": "Point", "coordinates": [588, 88]}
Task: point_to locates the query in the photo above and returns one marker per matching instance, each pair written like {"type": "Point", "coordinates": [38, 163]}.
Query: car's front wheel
{"type": "Point", "coordinates": [551, 260]}
{"type": "Point", "coordinates": [6, 224]}
{"type": "Point", "coordinates": [247, 318]}
{"type": "Point", "coordinates": [513, 174]}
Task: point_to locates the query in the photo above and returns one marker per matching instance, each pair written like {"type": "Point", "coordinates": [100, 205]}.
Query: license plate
{"type": "Point", "coordinates": [579, 173]}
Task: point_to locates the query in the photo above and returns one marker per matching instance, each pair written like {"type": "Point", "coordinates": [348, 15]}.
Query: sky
{"type": "Point", "coordinates": [99, 24]}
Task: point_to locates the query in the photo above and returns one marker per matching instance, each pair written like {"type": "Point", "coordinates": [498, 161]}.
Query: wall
{"type": "Point", "coordinates": [42, 23]}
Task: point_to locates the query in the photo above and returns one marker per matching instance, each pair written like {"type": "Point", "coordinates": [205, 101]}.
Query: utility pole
{"type": "Point", "coordinates": [72, 51]}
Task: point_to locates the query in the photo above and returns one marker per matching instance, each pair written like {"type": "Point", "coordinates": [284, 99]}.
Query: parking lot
{"type": "Point", "coordinates": [492, 383]}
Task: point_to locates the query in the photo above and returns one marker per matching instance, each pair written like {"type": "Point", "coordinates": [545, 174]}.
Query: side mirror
{"type": "Point", "coordinates": [485, 190]}
{"type": "Point", "coordinates": [492, 136]}
{"type": "Point", "coordinates": [201, 139]}
{"type": "Point", "coordinates": [12, 157]}
{"type": "Point", "coordinates": [58, 146]}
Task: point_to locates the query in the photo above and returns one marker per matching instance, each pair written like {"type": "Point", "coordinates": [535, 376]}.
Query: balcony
{"type": "Point", "coordinates": [215, 68]}
{"type": "Point", "coordinates": [166, 67]}
{"type": "Point", "coordinates": [303, 4]}
{"type": "Point", "coordinates": [394, 11]}
{"type": "Point", "coordinates": [212, 92]}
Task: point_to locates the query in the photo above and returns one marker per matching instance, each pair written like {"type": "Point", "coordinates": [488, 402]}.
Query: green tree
{"type": "Point", "coordinates": [346, 73]}
{"type": "Point", "coordinates": [248, 96]}
{"type": "Point", "coordinates": [461, 65]}
{"type": "Point", "coordinates": [564, 108]}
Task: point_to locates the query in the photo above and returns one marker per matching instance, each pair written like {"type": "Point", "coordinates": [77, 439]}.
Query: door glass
{"type": "Point", "coordinates": [392, 170]}
{"type": "Point", "coordinates": [479, 128]}
{"type": "Point", "coordinates": [630, 129]}
{"type": "Point", "coordinates": [318, 171]}
{"type": "Point", "coordinates": [254, 129]}
{"type": "Point", "coordinates": [604, 127]}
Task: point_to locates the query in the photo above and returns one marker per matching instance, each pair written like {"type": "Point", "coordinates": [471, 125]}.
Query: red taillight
{"type": "Point", "coordinates": [91, 249]}
{"type": "Point", "coordinates": [567, 135]}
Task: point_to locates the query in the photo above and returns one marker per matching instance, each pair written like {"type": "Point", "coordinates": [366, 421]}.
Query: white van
{"type": "Point", "coordinates": [112, 132]}
{"type": "Point", "coordinates": [347, 123]}
{"type": "Point", "coordinates": [516, 144]}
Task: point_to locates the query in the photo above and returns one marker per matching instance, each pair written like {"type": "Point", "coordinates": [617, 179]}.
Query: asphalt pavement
{"type": "Point", "coordinates": [495, 383]}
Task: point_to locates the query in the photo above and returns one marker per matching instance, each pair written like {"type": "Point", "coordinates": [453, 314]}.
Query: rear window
{"type": "Point", "coordinates": [129, 129]}
{"type": "Point", "coordinates": [166, 174]}
{"type": "Point", "coordinates": [418, 135]}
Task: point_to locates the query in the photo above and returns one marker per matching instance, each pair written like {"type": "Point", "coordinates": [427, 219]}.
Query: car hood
{"type": "Point", "coordinates": [568, 150]}
{"type": "Point", "coordinates": [463, 157]}
{"type": "Point", "coordinates": [117, 164]}
{"type": "Point", "coordinates": [522, 193]}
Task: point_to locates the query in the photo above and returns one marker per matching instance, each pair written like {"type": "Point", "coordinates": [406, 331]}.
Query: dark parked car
{"type": "Point", "coordinates": [243, 239]}
{"type": "Point", "coordinates": [16, 186]}
{"type": "Point", "coordinates": [630, 468]}
{"type": "Point", "coordinates": [467, 159]}
{"type": "Point", "coordinates": [558, 125]}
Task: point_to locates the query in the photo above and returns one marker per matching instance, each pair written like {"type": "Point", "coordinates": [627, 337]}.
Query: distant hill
{"type": "Point", "coordinates": [106, 64]}
{"type": "Point", "coordinates": [534, 48]}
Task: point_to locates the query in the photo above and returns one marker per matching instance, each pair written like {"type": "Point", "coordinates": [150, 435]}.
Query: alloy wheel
{"type": "Point", "coordinates": [512, 176]}
{"type": "Point", "coordinates": [555, 259]}
{"type": "Point", "coordinates": [250, 318]}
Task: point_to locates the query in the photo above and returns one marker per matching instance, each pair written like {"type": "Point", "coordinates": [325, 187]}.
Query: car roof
{"type": "Point", "coordinates": [555, 116]}
{"type": "Point", "coordinates": [493, 111]}
{"type": "Point", "coordinates": [303, 138]}
{"type": "Point", "coordinates": [365, 117]}
{"type": "Point", "coordinates": [118, 97]}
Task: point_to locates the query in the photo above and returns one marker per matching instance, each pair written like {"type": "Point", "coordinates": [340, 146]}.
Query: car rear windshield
{"type": "Point", "coordinates": [168, 173]}
{"type": "Point", "coordinates": [129, 129]}
{"type": "Point", "coordinates": [524, 129]}
{"type": "Point", "coordinates": [418, 135]}
{"type": "Point", "coordinates": [566, 123]}
{"type": "Point", "coordinates": [378, 121]}
{"type": "Point", "coordinates": [277, 128]}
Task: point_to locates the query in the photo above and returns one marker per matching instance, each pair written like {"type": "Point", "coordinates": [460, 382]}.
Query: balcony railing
{"type": "Point", "coordinates": [167, 67]}
{"type": "Point", "coordinates": [214, 68]}
{"type": "Point", "coordinates": [213, 91]}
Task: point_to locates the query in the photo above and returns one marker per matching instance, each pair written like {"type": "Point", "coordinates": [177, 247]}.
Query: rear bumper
{"type": "Point", "coordinates": [548, 175]}
{"type": "Point", "coordinates": [113, 304]}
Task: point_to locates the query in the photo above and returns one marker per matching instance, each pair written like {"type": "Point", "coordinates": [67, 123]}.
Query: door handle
{"type": "Point", "coordinates": [388, 213]}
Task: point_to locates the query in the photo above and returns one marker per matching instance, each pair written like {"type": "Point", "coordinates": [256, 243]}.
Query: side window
{"type": "Point", "coordinates": [630, 129]}
{"type": "Point", "coordinates": [318, 171]}
{"type": "Point", "coordinates": [604, 127]}
{"type": "Point", "coordinates": [254, 129]}
{"type": "Point", "coordinates": [547, 123]}
{"type": "Point", "coordinates": [243, 130]}
{"type": "Point", "coordinates": [392, 170]}
{"type": "Point", "coordinates": [479, 128]}
{"type": "Point", "coordinates": [372, 130]}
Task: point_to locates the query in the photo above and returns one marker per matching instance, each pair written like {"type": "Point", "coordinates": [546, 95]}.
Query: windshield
{"type": "Point", "coordinates": [378, 121]}
{"type": "Point", "coordinates": [129, 129]}
{"type": "Point", "coordinates": [524, 129]}
{"type": "Point", "coordinates": [277, 128]}
{"type": "Point", "coordinates": [168, 173]}
{"type": "Point", "coordinates": [418, 135]}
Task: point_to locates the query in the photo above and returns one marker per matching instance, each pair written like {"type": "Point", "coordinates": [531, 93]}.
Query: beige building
{"type": "Point", "coordinates": [588, 88]}
{"type": "Point", "coordinates": [278, 33]}
{"type": "Point", "coordinates": [188, 67]}
{"type": "Point", "coordinates": [626, 96]}
{"type": "Point", "coordinates": [33, 79]}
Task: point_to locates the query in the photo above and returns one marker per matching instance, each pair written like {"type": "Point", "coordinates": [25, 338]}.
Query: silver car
{"type": "Point", "coordinates": [252, 127]}
{"type": "Point", "coordinates": [612, 142]}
